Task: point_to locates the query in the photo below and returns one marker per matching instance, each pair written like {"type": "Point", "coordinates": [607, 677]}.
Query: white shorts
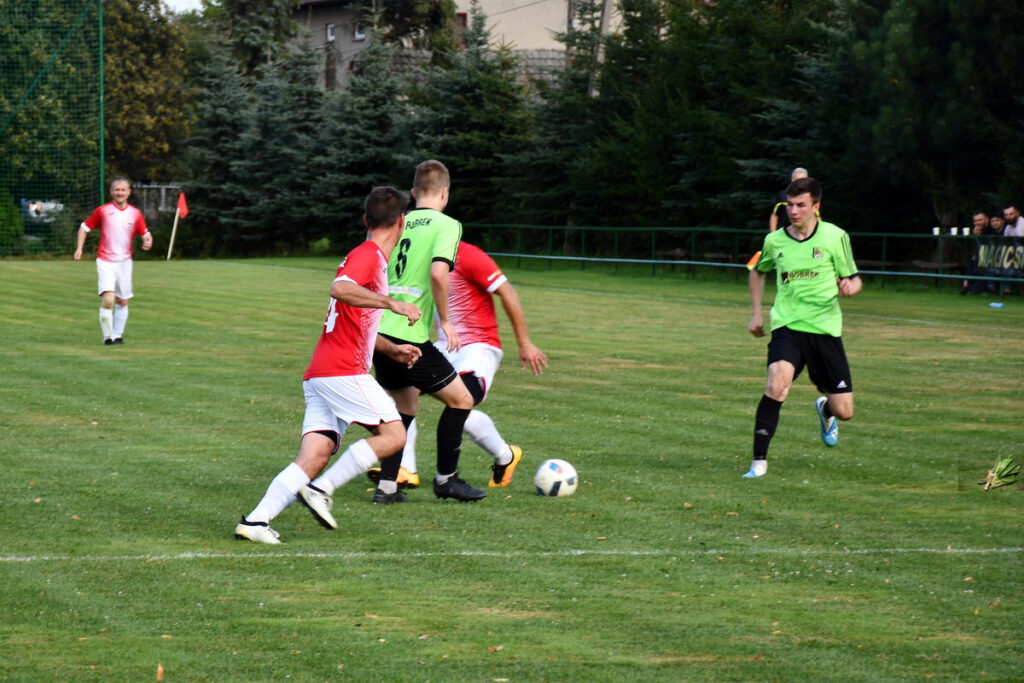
{"type": "Point", "coordinates": [116, 277]}
{"type": "Point", "coordinates": [482, 360]}
{"type": "Point", "coordinates": [333, 403]}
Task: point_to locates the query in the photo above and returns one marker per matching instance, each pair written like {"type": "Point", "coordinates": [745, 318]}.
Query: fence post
{"type": "Point", "coordinates": [693, 253]}
{"type": "Point", "coordinates": [654, 252]}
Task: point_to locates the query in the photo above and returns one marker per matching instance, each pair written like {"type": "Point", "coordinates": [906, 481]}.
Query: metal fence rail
{"type": "Point", "coordinates": [941, 258]}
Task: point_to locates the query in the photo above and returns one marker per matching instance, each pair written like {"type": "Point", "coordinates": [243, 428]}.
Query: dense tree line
{"type": "Point", "coordinates": [692, 113]}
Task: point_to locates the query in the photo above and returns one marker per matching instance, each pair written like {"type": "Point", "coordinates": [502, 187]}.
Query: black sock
{"type": "Point", "coordinates": [389, 465]}
{"type": "Point", "coordinates": [449, 439]}
{"type": "Point", "coordinates": [765, 422]}
{"type": "Point", "coordinates": [826, 410]}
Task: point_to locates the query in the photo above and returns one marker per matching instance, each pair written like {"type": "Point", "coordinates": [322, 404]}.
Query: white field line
{"type": "Point", "coordinates": [513, 554]}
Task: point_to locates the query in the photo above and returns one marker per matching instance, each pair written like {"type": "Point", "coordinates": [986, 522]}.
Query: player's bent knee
{"type": "Point", "coordinates": [777, 392]}
{"type": "Point", "coordinates": [841, 408]}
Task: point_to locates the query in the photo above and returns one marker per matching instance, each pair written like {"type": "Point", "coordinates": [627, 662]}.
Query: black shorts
{"type": "Point", "coordinates": [431, 373]}
{"type": "Point", "coordinates": [823, 355]}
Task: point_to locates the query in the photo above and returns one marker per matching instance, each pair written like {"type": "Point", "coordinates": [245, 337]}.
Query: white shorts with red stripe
{"type": "Point", "coordinates": [333, 403]}
{"type": "Point", "coordinates": [483, 360]}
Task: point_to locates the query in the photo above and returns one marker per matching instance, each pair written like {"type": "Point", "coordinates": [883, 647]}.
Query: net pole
{"type": "Point", "coordinates": [102, 126]}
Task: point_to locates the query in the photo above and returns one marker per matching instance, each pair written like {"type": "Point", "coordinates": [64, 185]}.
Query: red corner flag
{"type": "Point", "coordinates": [182, 206]}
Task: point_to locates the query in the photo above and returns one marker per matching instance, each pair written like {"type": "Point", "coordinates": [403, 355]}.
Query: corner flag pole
{"type": "Point", "coordinates": [174, 230]}
{"type": "Point", "coordinates": [180, 211]}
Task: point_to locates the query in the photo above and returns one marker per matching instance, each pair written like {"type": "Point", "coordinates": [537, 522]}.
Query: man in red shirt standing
{"type": "Point", "coordinates": [119, 222]}
{"type": "Point", "coordinates": [338, 386]}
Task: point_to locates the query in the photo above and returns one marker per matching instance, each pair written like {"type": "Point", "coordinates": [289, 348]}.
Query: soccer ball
{"type": "Point", "coordinates": [555, 478]}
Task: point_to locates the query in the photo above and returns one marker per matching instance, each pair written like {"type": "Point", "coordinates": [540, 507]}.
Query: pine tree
{"type": "Point", "coordinates": [472, 112]}
{"type": "Point", "coordinates": [361, 145]}
{"type": "Point", "coordinates": [548, 174]}
{"type": "Point", "coordinates": [257, 31]}
{"type": "Point", "coordinates": [273, 158]}
{"type": "Point", "coordinates": [223, 116]}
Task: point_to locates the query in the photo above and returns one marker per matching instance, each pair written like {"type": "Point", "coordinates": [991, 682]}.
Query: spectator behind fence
{"type": "Point", "coordinates": [981, 227]}
{"type": "Point", "coordinates": [779, 210]}
{"type": "Point", "coordinates": [996, 225]}
{"type": "Point", "coordinates": [1014, 222]}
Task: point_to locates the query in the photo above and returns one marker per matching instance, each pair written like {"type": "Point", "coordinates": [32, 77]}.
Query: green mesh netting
{"type": "Point", "coordinates": [50, 122]}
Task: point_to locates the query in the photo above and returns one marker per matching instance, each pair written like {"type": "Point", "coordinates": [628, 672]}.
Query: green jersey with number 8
{"type": "Point", "coordinates": [429, 236]}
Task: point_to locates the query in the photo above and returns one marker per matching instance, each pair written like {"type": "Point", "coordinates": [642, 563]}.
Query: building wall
{"type": "Point", "coordinates": [524, 24]}
{"type": "Point", "coordinates": [528, 26]}
{"type": "Point", "coordinates": [337, 54]}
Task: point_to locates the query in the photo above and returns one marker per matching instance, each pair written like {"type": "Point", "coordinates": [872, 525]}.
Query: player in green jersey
{"type": "Point", "coordinates": [418, 273]}
{"type": "Point", "coordinates": [814, 266]}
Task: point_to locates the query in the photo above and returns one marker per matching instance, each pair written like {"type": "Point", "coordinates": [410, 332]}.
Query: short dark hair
{"type": "Point", "coordinates": [805, 185]}
{"type": "Point", "coordinates": [118, 179]}
{"type": "Point", "coordinates": [384, 205]}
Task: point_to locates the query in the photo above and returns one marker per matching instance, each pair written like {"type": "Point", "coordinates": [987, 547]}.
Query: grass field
{"type": "Point", "coordinates": [126, 468]}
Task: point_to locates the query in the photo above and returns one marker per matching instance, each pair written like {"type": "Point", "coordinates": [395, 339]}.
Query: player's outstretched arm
{"type": "Point", "coordinates": [529, 355]}
{"type": "Point", "coordinates": [350, 293]}
{"type": "Point", "coordinates": [756, 283]}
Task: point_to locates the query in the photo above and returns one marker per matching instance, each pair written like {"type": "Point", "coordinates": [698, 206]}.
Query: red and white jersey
{"type": "Point", "coordinates": [470, 305]}
{"type": "Point", "coordinates": [346, 343]}
{"type": "Point", "coordinates": [118, 227]}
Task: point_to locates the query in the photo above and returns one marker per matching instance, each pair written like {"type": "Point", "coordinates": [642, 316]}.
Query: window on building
{"type": "Point", "coordinates": [359, 31]}
{"type": "Point", "coordinates": [461, 23]}
{"type": "Point", "coordinates": [330, 33]}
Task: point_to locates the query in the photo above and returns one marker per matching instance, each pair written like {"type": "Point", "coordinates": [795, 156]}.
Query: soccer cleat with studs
{"type": "Point", "coordinates": [381, 498]}
{"type": "Point", "coordinates": [257, 532]}
{"type": "Point", "coordinates": [458, 489]}
{"type": "Point", "coordinates": [318, 503]}
{"type": "Point", "coordinates": [758, 468]}
{"type": "Point", "coordinates": [406, 479]}
{"type": "Point", "coordinates": [830, 426]}
{"type": "Point", "coordinates": [502, 474]}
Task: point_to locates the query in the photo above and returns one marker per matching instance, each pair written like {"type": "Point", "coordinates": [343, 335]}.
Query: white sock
{"type": "Point", "coordinates": [388, 487]}
{"type": "Point", "coordinates": [409, 452]}
{"type": "Point", "coordinates": [107, 322]}
{"type": "Point", "coordinates": [480, 428]}
{"type": "Point", "coordinates": [442, 479]}
{"type": "Point", "coordinates": [120, 318]}
{"type": "Point", "coordinates": [356, 459]}
{"type": "Point", "coordinates": [759, 467]}
{"type": "Point", "coordinates": [280, 494]}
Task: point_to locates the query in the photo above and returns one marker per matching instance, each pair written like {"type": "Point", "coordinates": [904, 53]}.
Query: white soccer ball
{"type": "Point", "coordinates": [555, 478]}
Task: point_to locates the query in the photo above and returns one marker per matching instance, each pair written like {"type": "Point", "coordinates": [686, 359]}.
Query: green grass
{"type": "Point", "coordinates": [126, 468]}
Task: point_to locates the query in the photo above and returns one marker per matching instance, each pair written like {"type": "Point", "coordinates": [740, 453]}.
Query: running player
{"type": "Point", "coordinates": [418, 272]}
{"type": "Point", "coordinates": [814, 265]}
{"type": "Point", "coordinates": [338, 387]}
{"type": "Point", "coordinates": [119, 222]}
{"type": "Point", "coordinates": [474, 282]}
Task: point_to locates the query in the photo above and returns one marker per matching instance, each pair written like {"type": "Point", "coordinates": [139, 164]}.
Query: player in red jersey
{"type": "Point", "coordinates": [119, 222]}
{"type": "Point", "coordinates": [474, 282]}
{"type": "Point", "coordinates": [338, 387]}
